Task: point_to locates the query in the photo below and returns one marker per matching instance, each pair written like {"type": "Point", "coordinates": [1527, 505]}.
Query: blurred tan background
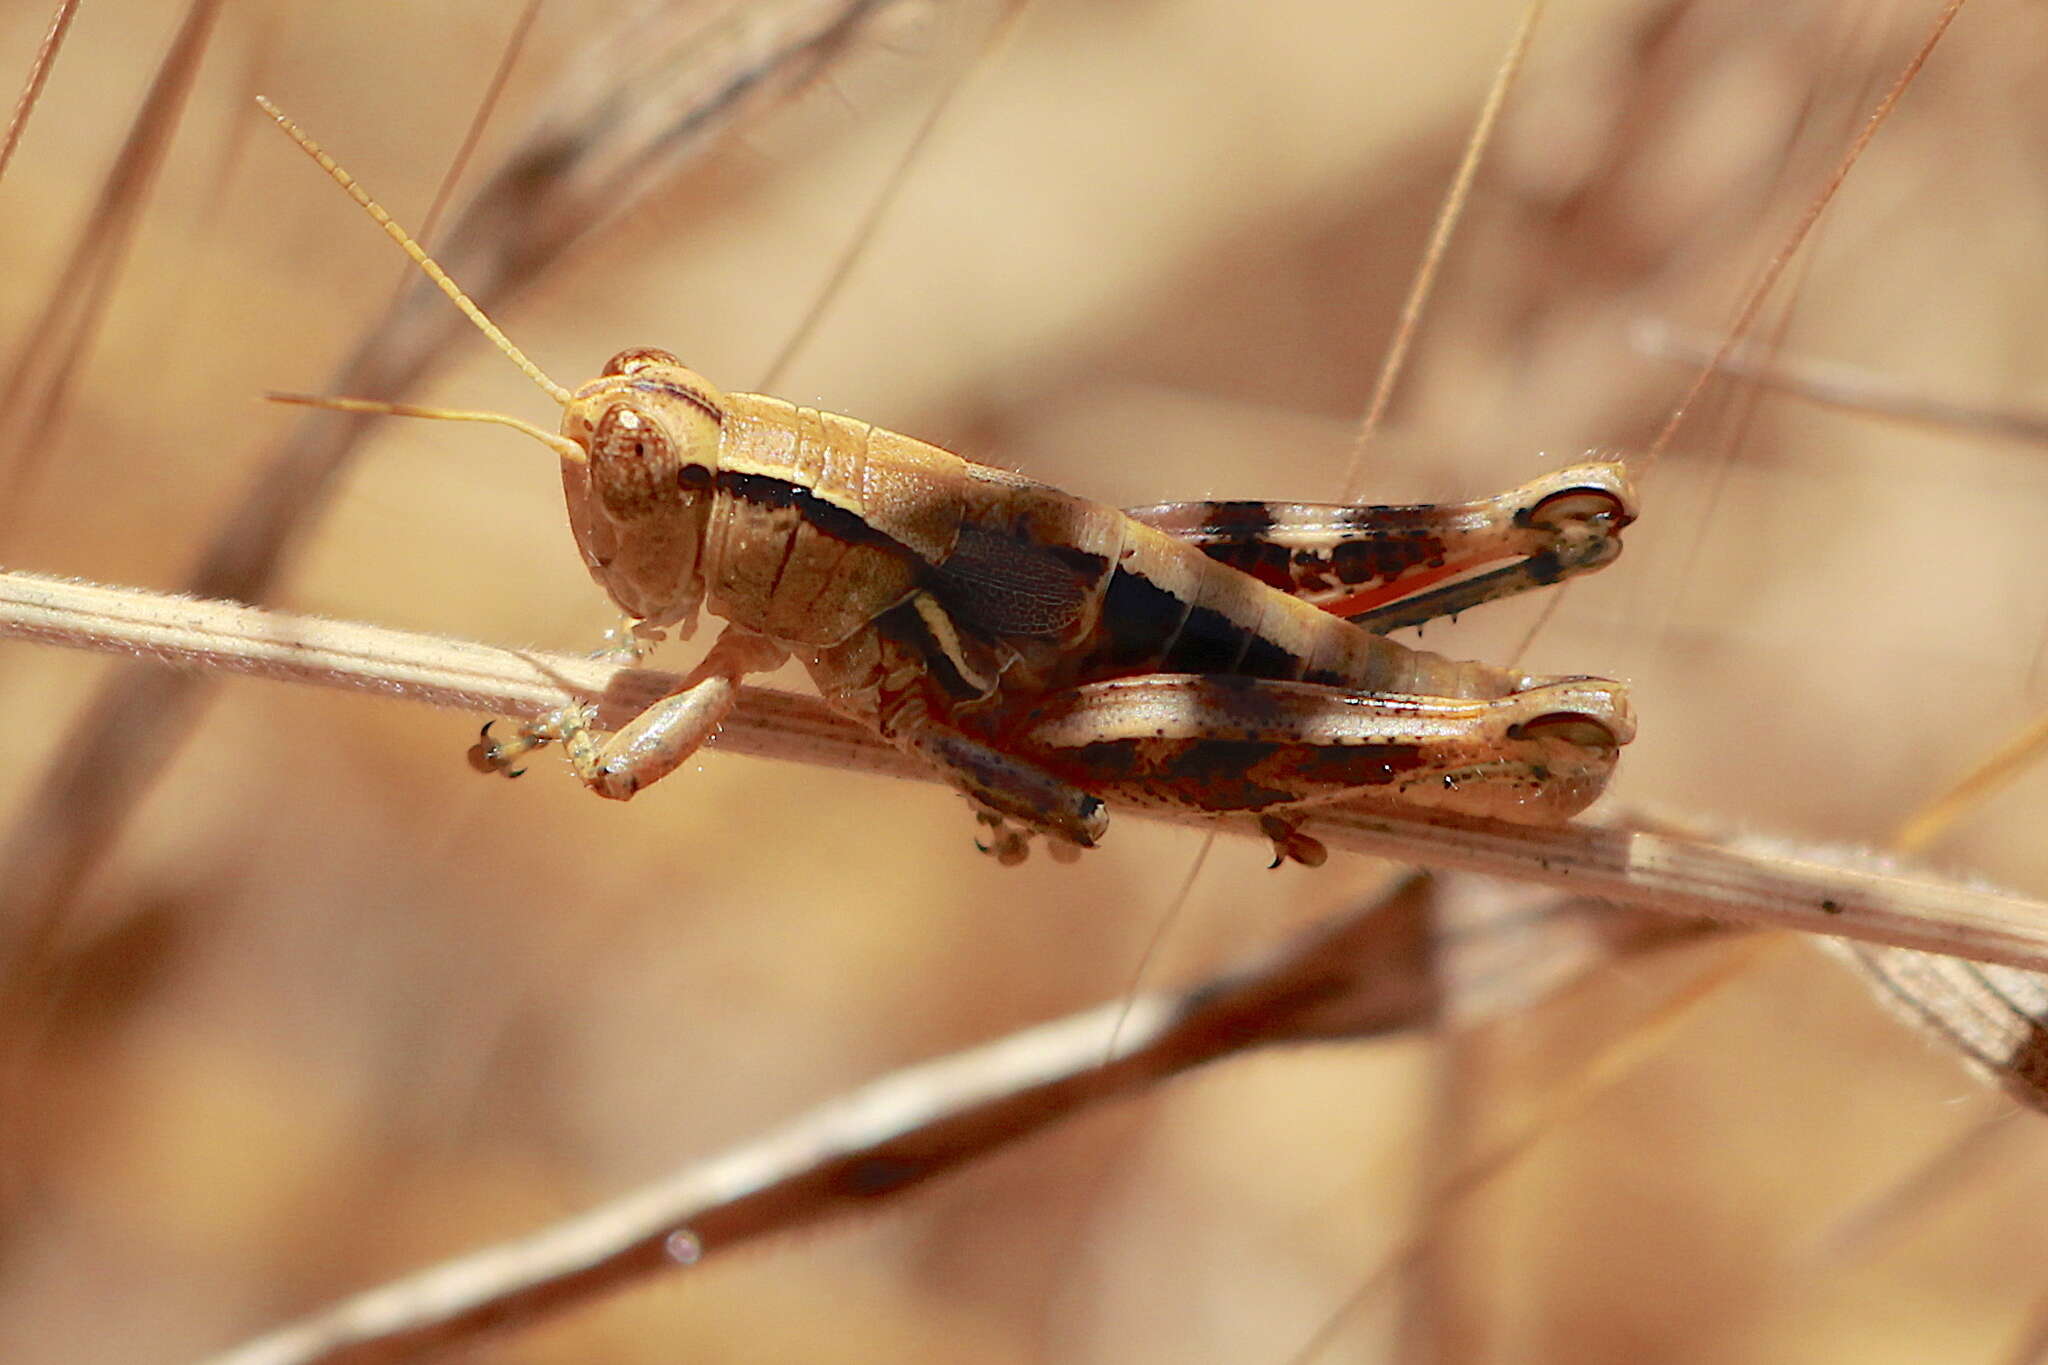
{"type": "Point", "coordinates": [337, 1007]}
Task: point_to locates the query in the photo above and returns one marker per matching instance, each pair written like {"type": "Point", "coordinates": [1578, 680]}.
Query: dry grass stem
{"type": "Point", "coordinates": [1744, 320]}
{"type": "Point", "coordinates": [1426, 271]}
{"type": "Point", "coordinates": [32, 84]}
{"type": "Point", "coordinates": [1849, 388]}
{"type": "Point", "coordinates": [1397, 962]}
{"type": "Point", "coordinates": [1834, 892]}
{"type": "Point", "coordinates": [58, 339]}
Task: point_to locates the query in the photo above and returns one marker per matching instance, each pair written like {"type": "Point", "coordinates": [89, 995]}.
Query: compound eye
{"type": "Point", "coordinates": [637, 358]}
{"type": "Point", "coordinates": [632, 462]}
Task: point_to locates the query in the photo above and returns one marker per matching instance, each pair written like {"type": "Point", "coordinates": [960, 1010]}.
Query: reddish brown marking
{"type": "Point", "coordinates": [639, 358]}
{"type": "Point", "coordinates": [1236, 774]}
{"type": "Point", "coordinates": [1263, 560]}
{"type": "Point", "coordinates": [1357, 602]}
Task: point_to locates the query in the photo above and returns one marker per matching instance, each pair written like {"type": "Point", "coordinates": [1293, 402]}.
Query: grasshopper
{"type": "Point", "coordinates": [1047, 654]}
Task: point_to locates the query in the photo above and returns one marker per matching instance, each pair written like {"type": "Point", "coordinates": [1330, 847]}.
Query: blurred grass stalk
{"type": "Point", "coordinates": [1422, 954]}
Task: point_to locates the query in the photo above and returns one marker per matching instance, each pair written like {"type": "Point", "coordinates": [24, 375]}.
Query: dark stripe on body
{"type": "Point", "coordinates": [1209, 642]}
{"type": "Point", "coordinates": [765, 490]}
{"type": "Point", "coordinates": [1265, 659]}
{"type": "Point", "coordinates": [1147, 628]}
{"type": "Point", "coordinates": [1139, 620]}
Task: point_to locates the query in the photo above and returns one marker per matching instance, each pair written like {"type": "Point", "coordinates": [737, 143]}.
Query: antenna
{"type": "Point", "coordinates": [561, 445]}
{"type": "Point", "coordinates": [426, 264]}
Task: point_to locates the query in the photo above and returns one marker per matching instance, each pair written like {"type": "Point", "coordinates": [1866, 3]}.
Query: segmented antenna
{"type": "Point", "coordinates": [561, 445]}
{"type": "Point", "coordinates": [419, 257]}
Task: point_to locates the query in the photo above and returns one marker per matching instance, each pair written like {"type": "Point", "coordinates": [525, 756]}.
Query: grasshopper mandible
{"type": "Point", "coordinates": [1048, 654]}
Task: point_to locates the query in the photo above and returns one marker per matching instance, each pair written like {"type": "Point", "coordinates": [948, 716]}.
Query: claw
{"type": "Point", "coordinates": [483, 755]}
{"type": "Point", "coordinates": [489, 756]}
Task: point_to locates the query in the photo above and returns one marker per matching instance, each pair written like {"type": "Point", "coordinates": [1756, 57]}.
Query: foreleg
{"type": "Point", "coordinates": [660, 738]}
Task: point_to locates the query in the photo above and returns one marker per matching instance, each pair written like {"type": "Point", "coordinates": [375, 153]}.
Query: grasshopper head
{"type": "Point", "coordinates": [639, 444]}
{"type": "Point", "coordinates": [640, 497]}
